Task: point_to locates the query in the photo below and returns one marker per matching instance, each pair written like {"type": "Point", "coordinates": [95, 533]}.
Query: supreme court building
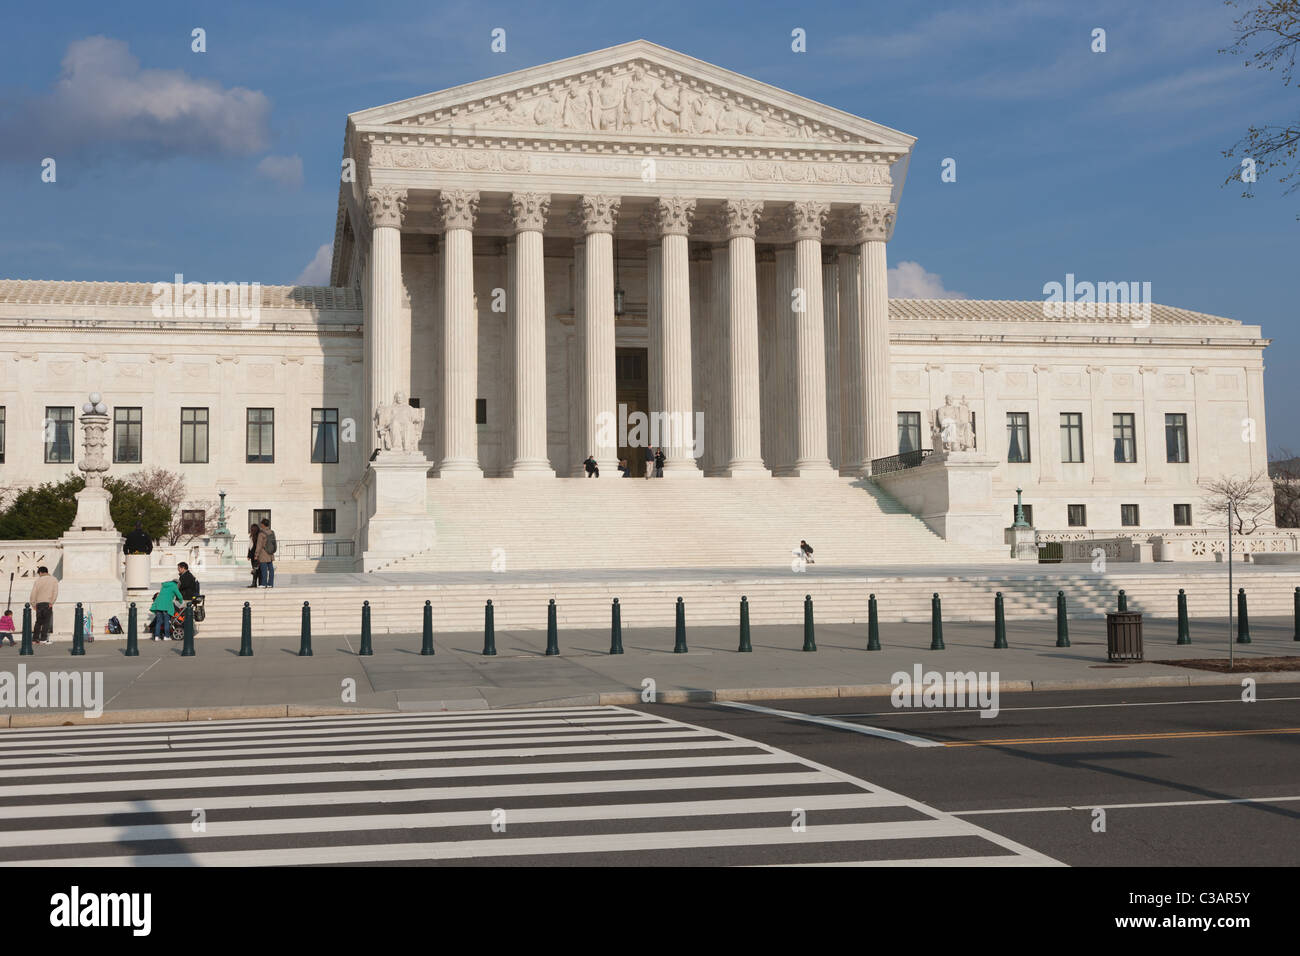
{"type": "Point", "coordinates": [539, 259]}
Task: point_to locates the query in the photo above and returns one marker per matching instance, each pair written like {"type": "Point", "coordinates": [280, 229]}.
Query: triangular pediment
{"type": "Point", "coordinates": [633, 91]}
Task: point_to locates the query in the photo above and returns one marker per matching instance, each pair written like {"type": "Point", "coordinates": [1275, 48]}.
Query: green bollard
{"type": "Point", "coordinates": [489, 629]}
{"type": "Point", "coordinates": [1184, 628]}
{"type": "Point", "coordinates": [246, 632]}
{"type": "Point", "coordinates": [745, 646]}
{"type": "Point", "coordinates": [552, 632]}
{"type": "Point", "coordinates": [1062, 621]}
{"type": "Point", "coordinates": [809, 638]}
{"type": "Point", "coordinates": [873, 625]}
{"type": "Point", "coordinates": [78, 632]}
{"type": "Point", "coordinates": [1297, 615]}
{"type": "Point", "coordinates": [1123, 601]}
{"type": "Point", "coordinates": [999, 623]}
{"type": "Point", "coordinates": [679, 635]}
{"type": "Point", "coordinates": [367, 650]}
{"type": "Point", "coordinates": [132, 637]}
{"type": "Point", "coordinates": [304, 644]}
{"type": "Point", "coordinates": [187, 646]}
{"type": "Point", "coordinates": [1243, 620]}
{"type": "Point", "coordinates": [26, 649]}
{"type": "Point", "coordinates": [615, 628]}
{"type": "Point", "coordinates": [936, 623]}
{"type": "Point", "coordinates": [426, 643]}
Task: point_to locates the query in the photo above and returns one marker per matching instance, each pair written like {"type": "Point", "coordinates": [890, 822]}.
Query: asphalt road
{"type": "Point", "coordinates": [1186, 776]}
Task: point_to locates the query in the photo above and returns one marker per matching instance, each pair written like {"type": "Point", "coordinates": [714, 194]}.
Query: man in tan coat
{"type": "Point", "coordinates": [45, 591]}
{"type": "Point", "coordinates": [265, 554]}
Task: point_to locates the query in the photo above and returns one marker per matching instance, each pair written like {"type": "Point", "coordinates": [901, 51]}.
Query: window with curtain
{"type": "Point", "coordinates": [58, 434]}
{"type": "Point", "coordinates": [325, 435]}
{"type": "Point", "coordinates": [1017, 436]}
{"type": "Point", "coordinates": [1176, 438]}
{"type": "Point", "coordinates": [909, 432]}
{"type": "Point", "coordinates": [1072, 437]}
{"type": "Point", "coordinates": [261, 435]}
{"type": "Point", "coordinates": [194, 436]}
{"type": "Point", "coordinates": [1125, 433]}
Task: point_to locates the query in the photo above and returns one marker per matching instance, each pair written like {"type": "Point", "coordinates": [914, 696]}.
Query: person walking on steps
{"type": "Point", "coordinates": [593, 470]}
{"type": "Point", "coordinates": [266, 546]}
{"type": "Point", "coordinates": [807, 550]}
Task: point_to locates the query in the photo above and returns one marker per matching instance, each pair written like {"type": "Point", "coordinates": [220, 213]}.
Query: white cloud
{"type": "Point", "coordinates": [909, 280]}
{"type": "Point", "coordinates": [103, 100]}
{"type": "Point", "coordinates": [318, 270]}
{"type": "Point", "coordinates": [285, 170]}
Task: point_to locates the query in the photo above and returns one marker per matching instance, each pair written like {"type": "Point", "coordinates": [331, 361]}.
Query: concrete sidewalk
{"type": "Point", "coordinates": [161, 685]}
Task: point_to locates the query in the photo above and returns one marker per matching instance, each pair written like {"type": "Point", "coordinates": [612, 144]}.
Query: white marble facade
{"type": "Point", "coordinates": [477, 253]}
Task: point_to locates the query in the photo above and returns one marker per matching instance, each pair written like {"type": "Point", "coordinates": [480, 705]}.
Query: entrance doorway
{"type": "Point", "coordinates": [632, 389]}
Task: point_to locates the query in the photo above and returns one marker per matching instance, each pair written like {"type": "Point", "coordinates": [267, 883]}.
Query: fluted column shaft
{"type": "Point", "coordinates": [600, 412]}
{"type": "Point", "coordinates": [717, 373]}
{"type": "Point", "coordinates": [677, 424]}
{"type": "Point", "coordinates": [527, 337]}
{"type": "Point", "coordinates": [879, 429]}
{"type": "Point", "coordinates": [459, 337]}
{"type": "Point", "coordinates": [852, 399]}
{"type": "Point", "coordinates": [388, 339]}
{"type": "Point", "coordinates": [744, 455]}
{"type": "Point", "coordinates": [783, 400]}
{"type": "Point", "coordinates": [810, 363]}
{"type": "Point", "coordinates": [831, 338]}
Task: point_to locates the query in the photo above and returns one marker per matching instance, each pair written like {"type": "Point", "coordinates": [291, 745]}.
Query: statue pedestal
{"type": "Point", "coordinates": [92, 574]}
{"type": "Point", "coordinates": [952, 493]}
{"type": "Point", "coordinates": [93, 510]}
{"type": "Point", "coordinates": [137, 572]}
{"type": "Point", "coordinates": [393, 504]}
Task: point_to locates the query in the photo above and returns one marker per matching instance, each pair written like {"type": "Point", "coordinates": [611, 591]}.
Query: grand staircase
{"type": "Point", "coordinates": [518, 525]}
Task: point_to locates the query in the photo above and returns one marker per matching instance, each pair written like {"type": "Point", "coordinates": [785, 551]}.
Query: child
{"type": "Point", "coordinates": [7, 627]}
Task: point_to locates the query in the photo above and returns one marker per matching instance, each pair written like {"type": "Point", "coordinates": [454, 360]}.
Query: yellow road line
{"type": "Point", "coordinates": [1180, 735]}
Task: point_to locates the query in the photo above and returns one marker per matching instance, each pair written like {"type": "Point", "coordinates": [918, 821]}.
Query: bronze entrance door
{"type": "Point", "coordinates": [632, 388]}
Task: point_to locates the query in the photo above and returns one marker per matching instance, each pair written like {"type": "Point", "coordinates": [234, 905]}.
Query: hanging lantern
{"type": "Point", "coordinates": [618, 300]}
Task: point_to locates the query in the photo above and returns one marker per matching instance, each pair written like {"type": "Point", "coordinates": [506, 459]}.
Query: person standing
{"type": "Point", "coordinates": [649, 462]}
{"type": "Point", "coordinates": [593, 470]}
{"type": "Point", "coordinates": [266, 547]}
{"type": "Point", "coordinates": [253, 530]}
{"type": "Point", "coordinates": [163, 607]}
{"type": "Point", "coordinates": [7, 627]}
{"type": "Point", "coordinates": [138, 541]}
{"type": "Point", "coordinates": [45, 592]}
{"type": "Point", "coordinates": [659, 462]}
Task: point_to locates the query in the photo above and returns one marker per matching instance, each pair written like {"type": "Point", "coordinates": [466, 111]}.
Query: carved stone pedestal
{"type": "Point", "coordinates": [1024, 545]}
{"type": "Point", "coordinates": [952, 493]}
{"type": "Point", "coordinates": [393, 506]}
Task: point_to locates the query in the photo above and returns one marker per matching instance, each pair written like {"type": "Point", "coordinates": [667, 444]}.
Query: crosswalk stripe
{"type": "Point", "coordinates": [398, 743]}
{"type": "Point", "coordinates": [535, 846]}
{"type": "Point", "coordinates": [420, 821]}
{"type": "Point", "coordinates": [320, 798]}
{"type": "Point", "coordinates": [1009, 859]}
{"type": "Point", "coordinates": [154, 784]}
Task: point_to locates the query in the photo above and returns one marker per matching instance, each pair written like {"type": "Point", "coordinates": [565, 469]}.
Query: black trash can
{"type": "Point", "coordinates": [1124, 636]}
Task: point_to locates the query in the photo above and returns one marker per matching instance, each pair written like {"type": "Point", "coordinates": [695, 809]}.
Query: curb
{"type": "Point", "coordinates": [623, 699]}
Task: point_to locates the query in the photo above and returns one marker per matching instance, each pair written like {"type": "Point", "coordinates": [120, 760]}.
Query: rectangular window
{"type": "Point", "coordinates": [1076, 516]}
{"type": "Point", "coordinates": [261, 435]}
{"type": "Point", "coordinates": [1182, 514]}
{"type": "Point", "coordinates": [1072, 436]}
{"type": "Point", "coordinates": [127, 429]}
{"type": "Point", "coordinates": [322, 521]}
{"type": "Point", "coordinates": [325, 435]}
{"type": "Point", "coordinates": [909, 432]}
{"type": "Point", "coordinates": [1128, 516]}
{"type": "Point", "coordinates": [2, 434]}
{"type": "Point", "coordinates": [1029, 514]}
{"type": "Point", "coordinates": [1125, 437]}
{"type": "Point", "coordinates": [480, 411]}
{"type": "Point", "coordinates": [255, 516]}
{"type": "Point", "coordinates": [194, 436]}
{"type": "Point", "coordinates": [1176, 438]}
{"type": "Point", "coordinates": [58, 434]}
{"type": "Point", "coordinates": [1017, 436]}
{"type": "Point", "coordinates": [193, 522]}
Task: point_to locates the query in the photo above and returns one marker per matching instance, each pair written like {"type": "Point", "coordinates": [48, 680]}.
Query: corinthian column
{"type": "Point", "coordinates": [459, 336]}
{"type": "Point", "coordinates": [851, 397]}
{"type": "Point", "coordinates": [527, 335]}
{"type": "Point", "coordinates": [744, 456]}
{"type": "Point", "coordinates": [874, 225]}
{"type": "Point", "coordinates": [387, 346]}
{"type": "Point", "coordinates": [677, 425]}
{"type": "Point", "coordinates": [600, 412]}
{"type": "Point", "coordinates": [806, 220]}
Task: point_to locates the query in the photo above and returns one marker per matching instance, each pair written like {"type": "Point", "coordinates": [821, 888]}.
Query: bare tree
{"type": "Point", "coordinates": [1284, 469]}
{"type": "Point", "coordinates": [177, 533]}
{"type": "Point", "coordinates": [1272, 28]}
{"type": "Point", "coordinates": [1251, 498]}
{"type": "Point", "coordinates": [169, 488]}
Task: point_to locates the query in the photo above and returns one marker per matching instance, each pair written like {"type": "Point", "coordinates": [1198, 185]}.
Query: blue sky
{"type": "Point", "coordinates": [224, 164]}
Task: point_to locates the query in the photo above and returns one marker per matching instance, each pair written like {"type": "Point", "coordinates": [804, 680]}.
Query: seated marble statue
{"type": "Point", "coordinates": [399, 426]}
{"type": "Point", "coordinates": [951, 430]}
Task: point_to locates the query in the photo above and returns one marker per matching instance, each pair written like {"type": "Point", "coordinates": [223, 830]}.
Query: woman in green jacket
{"type": "Point", "coordinates": [164, 605]}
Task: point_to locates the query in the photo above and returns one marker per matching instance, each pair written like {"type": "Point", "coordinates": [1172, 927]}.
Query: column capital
{"type": "Point", "coordinates": [742, 216]}
{"type": "Point", "coordinates": [458, 208]}
{"type": "Point", "coordinates": [597, 213]}
{"type": "Point", "coordinates": [528, 211]}
{"type": "Point", "coordinates": [385, 206]}
{"type": "Point", "coordinates": [806, 219]}
{"type": "Point", "coordinates": [873, 221]}
{"type": "Point", "coordinates": [673, 215]}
